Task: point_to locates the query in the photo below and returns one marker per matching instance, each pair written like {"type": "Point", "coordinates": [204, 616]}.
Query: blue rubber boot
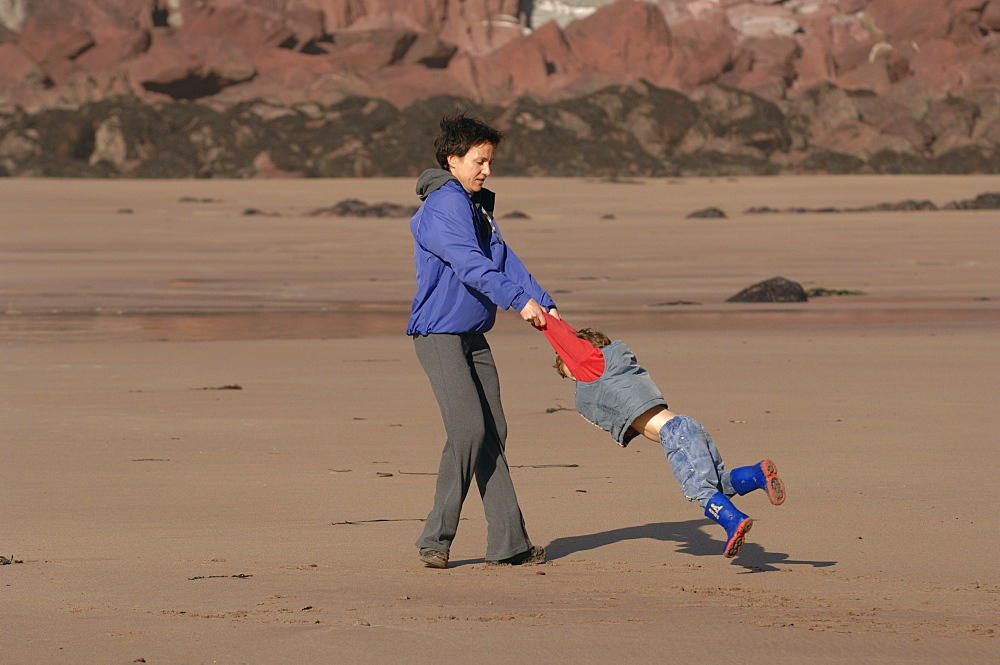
{"type": "Point", "coordinates": [760, 476]}
{"type": "Point", "coordinates": [736, 524]}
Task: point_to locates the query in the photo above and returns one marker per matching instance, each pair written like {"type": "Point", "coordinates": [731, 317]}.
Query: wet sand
{"type": "Point", "coordinates": [218, 446]}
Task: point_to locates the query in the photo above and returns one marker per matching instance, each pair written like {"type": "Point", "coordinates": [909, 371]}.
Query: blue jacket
{"type": "Point", "coordinates": [465, 270]}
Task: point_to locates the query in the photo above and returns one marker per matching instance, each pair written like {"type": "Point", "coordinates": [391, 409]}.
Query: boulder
{"type": "Point", "coordinates": [291, 77]}
{"type": "Point", "coordinates": [307, 26]}
{"type": "Point", "coordinates": [815, 65]}
{"type": "Point", "coordinates": [402, 85]}
{"type": "Point", "coordinates": [983, 68]}
{"type": "Point", "coordinates": [833, 44]}
{"type": "Point", "coordinates": [546, 61]}
{"type": "Point", "coordinates": [62, 72]}
{"type": "Point", "coordinates": [18, 68]}
{"type": "Point", "coordinates": [478, 27]}
{"type": "Point", "coordinates": [628, 39]}
{"type": "Point", "coordinates": [537, 136]}
{"type": "Point", "coordinates": [891, 117]}
{"type": "Point", "coordinates": [110, 144]}
{"type": "Point", "coordinates": [872, 76]}
{"type": "Point", "coordinates": [952, 121]}
{"type": "Point", "coordinates": [113, 48]}
{"type": "Point", "coordinates": [427, 50]}
{"type": "Point", "coordinates": [905, 20]}
{"type": "Point", "coordinates": [820, 160]}
{"type": "Point", "coordinates": [945, 66]}
{"type": "Point", "coordinates": [264, 168]}
{"type": "Point", "coordinates": [86, 15]}
{"type": "Point", "coordinates": [850, 6]}
{"type": "Point", "coordinates": [359, 208]}
{"type": "Point", "coordinates": [990, 18]}
{"type": "Point", "coordinates": [756, 20]}
{"type": "Point", "coordinates": [967, 158]}
{"type": "Point", "coordinates": [722, 157]}
{"type": "Point", "coordinates": [475, 26]}
{"type": "Point", "coordinates": [897, 60]}
{"type": "Point", "coordinates": [987, 129]}
{"type": "Point", "coordinates": [706, 213]}
{"type": "Point", "coordinates": [966, 21]}
{"type": "Point", "coordinates": [659, 119]}
{"type": "Point", "coordinates": [915, 93]}
{"type": "Point", "coordinates": [185, 66]}
{"type": "Point", "coordinates": [761, 64]}
{"type": "Point", "coordinates": [852, 44]}
{"type": "Point", "coordinates": [742, 118]}
{"type": "Point", "coordinates": [776, 289]}
{"type": "Point", "coordinates": [905, 205]}
{"type": "Point", "coordinates": [819, 110]}
{"type": "Point", "coordinates": [46, 40]}
{"type": "Point", "coordinates": [702, 47]}
{"type": "Point", "coordinates": [952, 116]}
{"type": "Point", "coordinates": [519, 67]}
{"type": "Point", "coordinates": [370, 50]}
{"type": "Point", "coordinates": [249, 28]}
{"type": "Point", "coordinates": [862, 141]}
{"type": "Point", "coordinates": [984, 201]}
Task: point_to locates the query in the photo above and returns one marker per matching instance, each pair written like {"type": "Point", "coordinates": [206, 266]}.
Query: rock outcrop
{"type": "Point", "coordinates": [628, 87]}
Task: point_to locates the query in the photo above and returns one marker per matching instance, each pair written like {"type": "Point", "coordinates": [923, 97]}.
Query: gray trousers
{"type": "Point", "coordinates": [464, 378]}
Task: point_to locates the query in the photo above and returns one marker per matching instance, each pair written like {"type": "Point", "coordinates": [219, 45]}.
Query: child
{"type": "Point", "coordinates": [615, 393]}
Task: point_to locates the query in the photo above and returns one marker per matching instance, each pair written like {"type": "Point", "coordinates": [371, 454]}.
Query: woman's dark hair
{"type": "Point", "coordinates": [459, 133]}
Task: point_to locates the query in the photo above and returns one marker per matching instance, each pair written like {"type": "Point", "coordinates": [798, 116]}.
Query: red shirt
{"type": "Point", "coordinates": [583, 359]}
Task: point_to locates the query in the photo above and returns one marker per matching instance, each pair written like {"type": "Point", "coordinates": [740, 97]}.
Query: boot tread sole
{"type": "Point", "coordinates": [735, 543]}
{"type": "Point", "coordinates": [773, 485]}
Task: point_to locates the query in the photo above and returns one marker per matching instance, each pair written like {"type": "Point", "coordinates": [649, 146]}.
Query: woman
{"type": "Point", "coordinates": [465, 271]}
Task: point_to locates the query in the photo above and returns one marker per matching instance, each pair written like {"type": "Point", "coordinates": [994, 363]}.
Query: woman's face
{"type": "Point", "coordinates": [473, 168]}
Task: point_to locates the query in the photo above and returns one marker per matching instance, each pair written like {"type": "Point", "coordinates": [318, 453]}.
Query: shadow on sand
{"type": "Point", "coordinates": [691, 538]}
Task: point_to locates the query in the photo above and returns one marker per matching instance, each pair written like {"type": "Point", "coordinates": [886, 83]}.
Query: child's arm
{"type": "Point", "coordinates": [582, 358]}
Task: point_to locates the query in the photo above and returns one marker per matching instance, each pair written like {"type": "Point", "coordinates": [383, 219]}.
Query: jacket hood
{"type": "Point", "coordinates": [432, 180]}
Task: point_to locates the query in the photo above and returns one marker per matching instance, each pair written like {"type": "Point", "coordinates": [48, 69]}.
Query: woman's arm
{"type": "Point", "coordinates": [446, 230]}
{"type": "Point", "coordinates": [517, 271]}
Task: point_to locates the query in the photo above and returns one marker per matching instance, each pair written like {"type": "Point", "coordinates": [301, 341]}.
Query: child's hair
{"type": "Point", "coordinates": [459, 133]}
{"type": "Point", "coordinates": [595, 337]}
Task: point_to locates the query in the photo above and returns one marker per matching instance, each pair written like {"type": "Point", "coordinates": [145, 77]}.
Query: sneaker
{"type": "Point", "coordinates": [530, 557]}
{"type": "Point", "coordinates": [433, 558]}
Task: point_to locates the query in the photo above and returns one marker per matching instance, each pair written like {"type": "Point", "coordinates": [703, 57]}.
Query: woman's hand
{"type": "Point", "coordinates": [533, 313]}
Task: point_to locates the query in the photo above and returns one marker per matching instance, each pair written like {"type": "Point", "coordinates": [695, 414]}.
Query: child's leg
{"type": "Point", "coordinates": [693, 458]}
{"type": "Point", "coordinates": [699, 469]}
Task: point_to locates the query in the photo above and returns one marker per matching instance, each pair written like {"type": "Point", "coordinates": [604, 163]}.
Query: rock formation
{"type": "Point", "coordinates": [582, 87]}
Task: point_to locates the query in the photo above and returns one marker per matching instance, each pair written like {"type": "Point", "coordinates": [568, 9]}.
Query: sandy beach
{"type": "Point", "coordinates": [218, 446]}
